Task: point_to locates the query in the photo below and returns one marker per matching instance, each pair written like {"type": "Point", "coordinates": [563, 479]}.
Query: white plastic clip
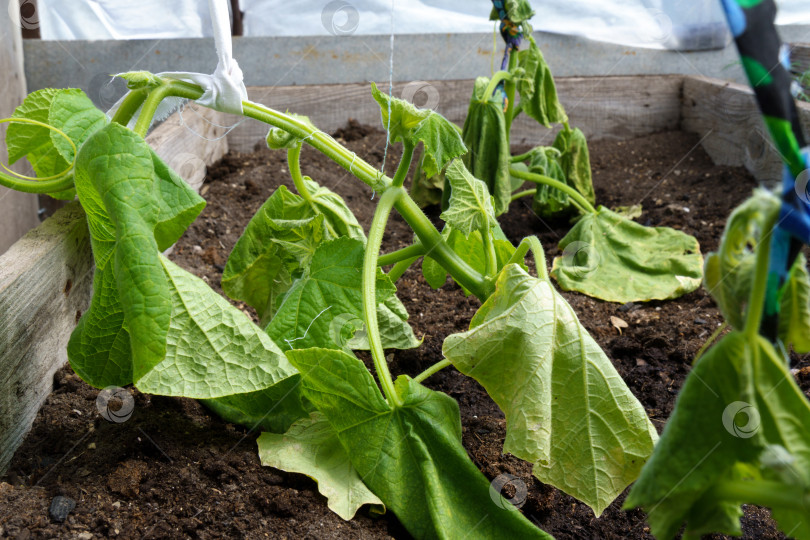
{"type": "Point", "coordinates": [224, 90]}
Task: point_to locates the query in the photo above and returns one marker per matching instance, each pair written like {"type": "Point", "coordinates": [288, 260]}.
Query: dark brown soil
{"type": "Point", "coordinates": [174, 471]}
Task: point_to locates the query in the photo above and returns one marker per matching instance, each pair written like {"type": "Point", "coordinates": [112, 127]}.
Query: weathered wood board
{"type": "Point", "coordinates": [18, 211]}
{"type": "Point", "coordinates": [46, 280]}
{"type": "Point", "coordinates": [726, 117]}
{"type": "Point", "coordinates": [602, 107]}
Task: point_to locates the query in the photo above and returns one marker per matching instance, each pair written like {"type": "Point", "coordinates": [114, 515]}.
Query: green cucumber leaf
{"type": "Point", "coordinates": [471, 250]}
{"type": "Point", "coordinates": [794, 311]}
{"type": "Point", "coordinates": [116, 185]}
{"type": "Point", "coordinates": [538, 93]}
{"type": "Point", "coordinates": [338, 218]}
{"type": "Point", "coordinates": [278, 139]}
{"type": "Point", "coordinates": [411, 455]}
{"type": "Point", "coordinates": [470, 208]}
{"type": "Point", "coordinates": [273, 409]}
{"type": "Point", "coordinates": [738, 406]}
{"type": "Point", "coordinates": [517, 183]}
{"type": "Point", "coordinates": [484, 133]}
{"type": "Point", "coordinates": [426, 190]}
{"type": "Point", "coordinates": [311, 447]}
{"type": "Point", "coordinates": [729, 270]}
{"type": "Point", "coordinates": [213, 349]}
{"type": "Point", "coordinates": [49, 153]}
{"type": "Point", "coordinates": [440, 138]}
{"type": "Point", "coordinates": [549, 202]}
{"type": "Point", "coordinates": [99, 349]}
{"type": "Point", "coordinates": [610, 257]}
{"type": "Point", "coordinates": [567, 409]}
{"type": "Point", "coordinates": [516, 10]}
{"type": "Point", "coordinates": [278, 242]}
{"type": "Point", "coordinates": [329, 294]}
{"type": "Point", "coordinates": [575, 161]}
{"type": "Point", "coordinates": [179, 204]}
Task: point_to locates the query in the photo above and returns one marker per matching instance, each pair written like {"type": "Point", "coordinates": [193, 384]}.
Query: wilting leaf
{"type": "Point", "coordinates": [736, 407]}
{"type": "Point", "coordinates": [470, 207]}
{"type": "Point", "coordinates": [485, 136]}
{"type": "Point", "coordinates": [610, 257]}
{"type": "Point", "coordinates": [328, 295]}
{"type": "Point", "coordinates": [439, 136]}
{"type": "Point", "coordinates": [567, 409]}
{"type": "Point", "coordinates": [411, 455]}
{"type": "Point", "coordinates": [312, 447]}
{"type": "Point", "coordinates": [538, 94]}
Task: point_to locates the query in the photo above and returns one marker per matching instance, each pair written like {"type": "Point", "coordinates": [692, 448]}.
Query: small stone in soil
{"type": "Point", "coordinates": [627, 307]}
{"type": "Point", "coordinates": [61, 507]}
{"type": "Point", "coordinates": [700, 321]}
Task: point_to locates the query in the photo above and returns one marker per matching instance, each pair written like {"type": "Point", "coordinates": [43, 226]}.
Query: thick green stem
{"type": "Point", "coordinates": [438, 366]}
{"type": "Point", "coordinates": [129, 106]}
{"type": "Point", "coordinates": [400, 268]}
{"type": "Point", "coordinates": [294, 162]}
{"type": "Point", "coordinates": [521, 157]}
{"type": "Point", "coordinates": [408, 209]}
{"type": "Point", "coordinates": [494, 81]}
{"type": "Point", "coordinates": [509, 87]}
{"type": "Point", "coordinates": [438, 249]}
{"type": "Point", "coordinates": [756, 301]}
{"type": "Point", "coordinates": [490, 258]}
{"type": "Point", "coordinates": [533, 244]}
{"type": "Point", "coordinates": [404, 164]}
{"type": "Point", "coordinates": [415, 250]}
{"type": "Point", "coordinates": [764, 493]}
{"type": "Point", "coordinates": [540, 179]}
{"type": "Point", "coordinates": [34, 186]}
{"type": "Point", "coordinates": [375, 236]}
{"type": "Point", "coordinates": [149, 108]}
{"type": "Point", "coordinates": [526, 193]}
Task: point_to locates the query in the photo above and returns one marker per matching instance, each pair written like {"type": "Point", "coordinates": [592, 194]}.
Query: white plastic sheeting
{"type": "Point", "coordinates": [652, 23]}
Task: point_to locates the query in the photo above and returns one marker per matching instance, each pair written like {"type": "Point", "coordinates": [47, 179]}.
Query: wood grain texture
{"type": "Point", "coordinates": [18, 211]}
{"type": "Point", "coordinates": [800, 57]}
{"type": "Point", "coordinates": [45, 285]}
{"type": "Point", "coordinates": [191, 139]}
{"type": "Point", "coordinates": [602, 107]}
{"type": "Point", "coordinates": [726, 117]}
{"type": "Point", "coordinates": [46, 280]}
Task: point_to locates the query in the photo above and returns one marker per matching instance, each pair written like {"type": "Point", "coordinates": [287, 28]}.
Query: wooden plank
{"type": "Point", "coordinates": [190, 140]}
{"type": "Point", "coordinates": [45, 283]}
{"type": "Point", "coordinates": [800, 57]}
{"type": "Point", "coordinates": [18, 211]}
{"type": "Point", "coordinates": [46, 280]}
{"type": "Point", "coordinates": [726, 117]}
{"type": "Point", "coordinates": [603, 107]}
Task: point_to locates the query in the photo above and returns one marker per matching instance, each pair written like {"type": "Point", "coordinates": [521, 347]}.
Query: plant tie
{"type": "Point", "coordinates": [766, 62]}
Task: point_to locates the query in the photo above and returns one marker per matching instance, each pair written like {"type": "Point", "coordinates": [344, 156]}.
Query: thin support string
{"type": "Point", "coordinates": [390, 93]}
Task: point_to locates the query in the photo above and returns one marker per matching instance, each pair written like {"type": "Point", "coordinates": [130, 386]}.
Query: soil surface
{"type": "Point", "coordinates": [172, 470]}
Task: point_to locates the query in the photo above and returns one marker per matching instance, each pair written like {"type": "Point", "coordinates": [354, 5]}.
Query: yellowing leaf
{"type": "Point", "coordinates": [567, 409]}
{"type": "Point", "coordinates": [311, 447]}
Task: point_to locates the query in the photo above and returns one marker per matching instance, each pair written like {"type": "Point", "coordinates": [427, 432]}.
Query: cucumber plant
{"type": "Point", "coordinates": [315, 278]}
{"type": "Point", "coordinates": [605, 255]}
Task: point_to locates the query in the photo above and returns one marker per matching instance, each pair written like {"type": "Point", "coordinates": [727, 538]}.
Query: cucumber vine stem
{"type": "Point", "coordinates": [526, 193]}
{"type": "Point", "coordinates": [533, 244]}
{"type": "Point", "coordinates": [28, 184]}
{"type": "Point", "coordinates": [375, 236]}
{"type": "Point", "coordinates": [493, 83]}
{"type": "Point", "coordinates": [763, 493]}
{"type": "Point", "coordinates": [435, 368]}
{"type": "Point", "coordinates": [756, 301]}
{"type": "Point", "coordinates": [150, 105]}
{"type": "Point", "coordinates": [400, 268]}
{"type": "Point", "coordinates": [540, 179]}
{"type": "Point", "coordinates": [414, 250]}
{"type": "Point", "coordinates": [405, 205]}
{"type": "Point", "coordinates": [404, 164]}
{"type": "Point", "coordinates": [129, 106]}
{"type": "Point", "coordinates": [294, 163]}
